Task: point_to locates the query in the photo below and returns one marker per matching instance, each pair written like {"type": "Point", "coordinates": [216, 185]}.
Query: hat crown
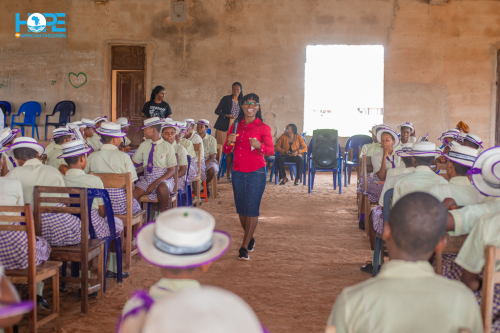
{"type": "Point", "coordinates": [490, 170]}
{"type": "Point", "coordinates": [423, 146]}
{"type": "Point", "coordinates": [111, 126]}
{"type": "Point", "coordinates": [203, 121]}
{"type": "Point", "coordinates": [88, 121]}
{"type": "Point", "coordinates": [152, 121]}
{"type": "Point", "coordinates": [471, 137]}
{"type": "Point", "coordinates": [5, 134]}
{"type": "Point", "coordinates": [73, 146]}
{"type": "Point", "coordinates": [464, 150]}
{"type": "Point", "coordinates": [25, 139]}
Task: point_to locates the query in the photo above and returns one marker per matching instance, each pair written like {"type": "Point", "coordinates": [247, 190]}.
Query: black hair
{"type": "Point", "coordinates": [294, 128]}
{"type": "Point", "coordinates": [60, 140]}
{"type": "Point", "coordinates": [460, 170]}
{"type": "Point", "coordinates": [240, 96]}
{"type": "Point", "coordinates": [106, 139]}
{"type": "Point", "coordinates": [72, 160]}
{"type": "Point", "coordinates": [424, 160]}
{"type": "Point", "coordinates": [471, 144]}
{"type": "Point", "coordinates": [407, 161]}
{"type": "Point", "coordinates": [253, 96]}
{"type": "Point", "coordinates": [155, 92]}
{"type": "Point", "coordinates": [417, 221]}
{"type": "Point", "coordinates": [24, 154]}
{"type": "Point", "coordinates": [158, 128]}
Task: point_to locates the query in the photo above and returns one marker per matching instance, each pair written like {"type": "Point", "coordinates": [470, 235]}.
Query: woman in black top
{"type": "Point", "coordinates": [228, 110]}
{"type": "Point", "coordinates": [157, 107]}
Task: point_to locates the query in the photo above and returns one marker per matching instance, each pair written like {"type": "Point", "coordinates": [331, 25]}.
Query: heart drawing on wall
{"type": "Point", "coordinates": [77, 81]}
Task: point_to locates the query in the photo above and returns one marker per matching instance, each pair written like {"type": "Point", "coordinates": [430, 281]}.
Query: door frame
{"type": "Point", "coordinates": [113, 89]}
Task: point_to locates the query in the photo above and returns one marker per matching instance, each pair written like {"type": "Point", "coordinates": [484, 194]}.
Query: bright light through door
{"type": "Point", "coordinates": [344, 88]}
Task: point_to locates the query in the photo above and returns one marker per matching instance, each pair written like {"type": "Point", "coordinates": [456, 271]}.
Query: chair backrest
{"type": "Point", "coordinates": [367, 162]}
{"type": "Point", "coordinates": [94, 193]}
{"type": "Point", "coordinates": [8, 107]}
{"type": "Point", "coordinates": [356, 141]}
{"type": "Point", "coordinates": [176, 174]}
{"type": "Point", "coordinates": [30, 110]}
{"type": "Point", "coordinates": [66, 109]}
{"type": "Point", "coordinates": [200, 147]}
{"type": "Point", "coordinates": [387, 204]}
{"type": "Point", "coordinates": [187, 172]}
{"type": "Point", "coordinates": [119, 180]}
{"type": "Point", "coordinates": [67, 201]}
{"type": "Point", "coordinates": [490, 278]}
{"type": "Point", "coordinates": [453, 245]}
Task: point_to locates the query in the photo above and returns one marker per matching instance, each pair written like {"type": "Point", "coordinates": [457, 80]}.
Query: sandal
{"type": "Point", "coordinates": [296, 183]}
{"type": "Point", "coordinates": [284, 181]}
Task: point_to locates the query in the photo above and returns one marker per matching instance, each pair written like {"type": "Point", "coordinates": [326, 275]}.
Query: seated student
{"type": "Point", "coordinates": [376, 225]}
{"type": "Point", "coordinates": [181, 256]}
{"type": "Point", "coordinates": [175, 314]}
{"type": "Point", "coordinates": [111, 160]}
{"type": "Point", "coordinates": [7, 137]}
{"type": "Point", "coordinates": [470, 140]}
{"type": "Point", "coordinates": [210, 153]}
{"type": "Point", "coordinates": [169, 131]}
{"type": "Point", "coordinates": [197, 141]}
{"type": "Point", "coordinates": [448, 139]}
{"type": "Point", "coordinates": [75, 155]}
{"type": "Point", "coordinates": [75, 128]}
{"type": "Point", "coordinates": [57, 229]}
{"type": "Point", "coordinates": [96, 138]}
{"type": "Point", "coordinates": [158, 157]}
{"type": "Point", "coordinates": [291, 146]}
{"type": "Point", "coordinates": [423, 154]}
{"type": "Point", "coordinates": [407, 296]}
{"type": "Point", "coordinates": [89, 137]}
{"type": "Point", "coordinates": [180, 140]}
{"type": "Point", "coordinates": [459, 188]}
{"type": "Point", "coordinates": [371, 148]}
{"type": "Point", "coordinates": [13, 253]}
{"type": "Point", "coordinates": [407, 129]}
{"type": "Point", "coordinates": [59, 137]}
{"type": "Point", "coordinates": [124, 123]}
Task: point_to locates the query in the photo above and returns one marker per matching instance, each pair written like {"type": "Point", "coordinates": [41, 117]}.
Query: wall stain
{"type": "Point", "coordinates": [325, 19]}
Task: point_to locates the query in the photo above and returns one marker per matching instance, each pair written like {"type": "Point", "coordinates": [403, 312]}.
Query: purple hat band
{"type": "Point", "coordinates": [117, 133]}
{"type": "Point", "coordinates": [16, 309]}
{"type": "Point", "coordinates": [26, 142]}
{"type": "Point", "coordinates": [62, 134]}
{"type": "Point", "coordinates": [126, 125]}
{"type": "Point", "coordinates": [75, 151]}
{"type": "Point", "coordinates": [468, 138]}
{"type": "Point", "coordinates": [156, 122]}
{"type": "Point", "coordinates": [204, 123]}
{"type": "Point", "coordinates": [13, 133]}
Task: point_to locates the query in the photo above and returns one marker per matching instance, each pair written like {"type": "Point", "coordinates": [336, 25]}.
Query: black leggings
{"type": "Point", "coordinates": [298, 160]}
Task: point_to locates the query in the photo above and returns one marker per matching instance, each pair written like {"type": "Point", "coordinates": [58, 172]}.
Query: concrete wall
{"type": "Point", "coordinates": [440, 60]}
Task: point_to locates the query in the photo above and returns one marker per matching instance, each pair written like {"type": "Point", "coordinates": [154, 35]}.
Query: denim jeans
{"type": "Point", "coordinates": [248, 188]}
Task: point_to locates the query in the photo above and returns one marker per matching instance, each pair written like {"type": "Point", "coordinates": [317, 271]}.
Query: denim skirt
{"type": "Point", "coordinates": [248, 188]}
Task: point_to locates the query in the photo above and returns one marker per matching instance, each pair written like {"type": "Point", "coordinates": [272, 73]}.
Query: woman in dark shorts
{"type": "Point", "coordinates": [252, 141]}
{"type": "Point", "coordinates": [157, 107]}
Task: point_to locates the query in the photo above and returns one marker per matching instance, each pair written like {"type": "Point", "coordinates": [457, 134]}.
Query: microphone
{"type": "Point", "coordinates": [235, 127]}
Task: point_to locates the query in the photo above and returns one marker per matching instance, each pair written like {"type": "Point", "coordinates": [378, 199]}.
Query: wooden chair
{"type": "Point", "coordinates": [365, 202]}
{"type": "Point", "coordinates": [84, 252]}
{"type": "Point", "coordinates": [490, 278]}
{"type": "Point", "coordinates": [198, 148]}
{"type": "Point", "coordinates": [453, 246]}
{"type": "Point", "coordinates": [214, 180]}
{"type": "Point", "coordinates": [32, 274]}
{"type": "Point", "coordinates": [330, 329]}
{"type": "Point", "coordinates": [124, 180]}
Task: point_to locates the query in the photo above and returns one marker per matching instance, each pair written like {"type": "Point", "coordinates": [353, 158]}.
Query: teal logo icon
{"type": "Point", "coordinates": [36, 22]}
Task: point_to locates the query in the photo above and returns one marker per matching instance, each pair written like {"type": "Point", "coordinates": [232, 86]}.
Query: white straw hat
{"type": "Point", "coordinates": [26, 142]}
{"type": "Point", "coordinates": [471, 138]}
{"type": "Point", "coordinates": [485, 172]}
{"type": "Point", "coordinates": [462, 155]}
{"type": "Point", "coordinates": [204, 122]}
{"type": "Point", "coordinates": [376, 128]}
{"type": "Point", "coordinates": [99, 119]}
{"type": "Point", "coordinates": [172, 124]}
{"type": "Point", "coordinates": [7, 134]}
{"type": "Point", "coordinates": [88, 122]}
{"type": "Point", "coordinates": [389, 131]}
{"type": "Point", "coordinates": [74, 148]}
{"type": "Point", "coordinates": [77, 123]}
{"type": "Point", "coordinates": [152, 122]}
{"type": "Point", "coordinates": [123, 122]}
{"type": "Point", "coordinates": [424, 149]}
{"type": "Point", "coordinates": [405, 150]}
{"type": "Point", "coordinates": [208, 309]}
{"type": "Point", "coordinates": [407, 124]}
{"type": "Point", "coordinates": [182, 238]}
{"type": "Point", "coordinates": [62, 131]}
{"type": "Point", "coordinates": [111, 129]}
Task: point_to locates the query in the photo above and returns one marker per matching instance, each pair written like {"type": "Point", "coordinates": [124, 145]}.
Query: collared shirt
{"type": "Point", "coordinates": [110, 160]}
{"type": "Point", "coordinates": [246, 158]}
{"type": "Point", "coordinates": [34, 173]}
{"type": "Point", "coordinates": [78, 178]}
{"type": "Point", "coordinates": [485, 233]}
{"type": "Point", "coordinates": [465, 218]}
{"type": "Point", "coordinates": [95, 142]}
{"type": "Point", "coordinates": [406, 297]}
{"type": "Point", "coordinates": [377, 161]}
{"type": "Point", "coordinates": [196, 139]}
{"type": "Point", "coordinates": [411, 139]}
{"type": "Point", "coordinates": [11, 194]}
{"type": "Point", "coordinates": [52, 157]}
{"type": "Point", "coordinates": [210, 145]}
{"type": "Point", "coordinates": [51, 146]}
{"type": "Point", "coordinates": [371, 148]}
{"type": "Point", "coordinates": [392, 176]}
{"type": "Point", "coordinates": [418, 181]}
{"type": "Point", "coordinates": [460, 189]}
{"type": "Point", "coordinates": [163, 155]}
{"type": "Point", "coordinates": [10, 160]}
{"type": "Point", "coordinates": [126, 141]}
{"type": "Point", "coordinates": [189, 147]}
{"type": "Point", "coordinates": [182, 152]}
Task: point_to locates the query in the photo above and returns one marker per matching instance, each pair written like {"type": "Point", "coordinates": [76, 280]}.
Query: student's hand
{"type": "Point", "coordinates": [255, 143]}
{"type": "Point", "coordinates": [231, 138]}
{"type": "Point", "coordinates": [442, 159]}
{"type": "Point", "coordinates": [450, 203]}
{"type": "Point", "coordinates": [387, 149]}
{"type": "Point", "coordinates": [151, 187]}
{"type": "Point", "coordinates": [295, 153]}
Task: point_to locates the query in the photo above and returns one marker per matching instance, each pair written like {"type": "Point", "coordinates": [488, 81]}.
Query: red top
{"type": "Point", "coordinates": [245, 159]}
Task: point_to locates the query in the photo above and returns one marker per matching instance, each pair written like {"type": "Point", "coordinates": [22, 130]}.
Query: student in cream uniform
{"type": "Point", "coordinates": [59, 137]}
{"type": "Point", "coordinates": [210, 153]}
{"type": "Point", "coordinates": [7, 137]}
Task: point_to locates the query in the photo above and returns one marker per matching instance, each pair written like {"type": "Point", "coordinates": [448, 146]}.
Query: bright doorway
{"type": "Point", "coordinates": [344, 88]}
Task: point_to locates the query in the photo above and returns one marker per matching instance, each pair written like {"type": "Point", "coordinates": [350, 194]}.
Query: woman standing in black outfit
{"type": "Point", "coordinates": [228, 110]}
{"type": "Point", "coordinates": [157, 107]}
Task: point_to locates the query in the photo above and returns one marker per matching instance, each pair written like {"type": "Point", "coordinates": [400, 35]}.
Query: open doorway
{"type": "Point", "coordinates": [344, 88]}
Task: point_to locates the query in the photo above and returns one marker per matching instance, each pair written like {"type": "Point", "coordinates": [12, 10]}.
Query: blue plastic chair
{"type": "Point", "coordinates": [209, 131]}
{"type": "Point", "coordinates": [7, 111]}
{"type": "Point", "coordinates": [270, 159]}
{"type": "Point", "coordinates": [353, 142]}
{"type": "Point", "coordinates": [378, 248]}
{"type": "Point", "coordinates": [184, 197]}
{"type": "Point", "coordinates": [337, 172]}
{"type": "Point", "coordinates": [66, 109]}
{"type": "Point", "coordinates": [222, 166]}
{"type": "Point", "coordinates": [31, 110]}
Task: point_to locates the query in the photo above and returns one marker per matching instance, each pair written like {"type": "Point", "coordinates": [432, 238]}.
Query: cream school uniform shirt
{"type": "Point", "coordinates": [182, 152]}
{"type": "Point", "coordinates": [485, 233]}
{"type": "Point", "coordinates": [460, 189]}
{"type": "Point", "coordinates": [377, 161]}
{"type": "Point", "coordinates": [196, 139]}
{"type": "Point", "coordinates": [78, 178]}
{"type": "Point", "coordinates": [465, 218]}
{"type": "Point", "coordinates": [51, 146]}
{"type": "Point", "coordinates": [371, 148]}
{"type": "Point", "coordinates": [418, 181]}
{"type": "Point", "coordinates": [126, 141]}
{"type": "Point", "coordinates": [35, 173]}
{"type": "Point", "coordinates": [163, 155]}
{"type": "Point", "coordinates": [210, 145]}
{"type": "Point", "coordinates": [8, 161]}
{"type": "Point", "coordinates": [52, 157]}
{"type": "Point", "coordinates": [11, 194]}
{"type": "Point", "coordinates": [95, 142]}
{"type": "Point", "coordinates": [406, 297]}
{"type": "Point", "coordinates": [392, 176]}
{"type": "Point", "coordinates": [189, 147]}
{"type": "Point", "coordinates": [110, 160]}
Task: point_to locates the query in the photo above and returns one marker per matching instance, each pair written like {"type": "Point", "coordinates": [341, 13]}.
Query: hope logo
{"type": "Point", "coordinates": [37, 22]}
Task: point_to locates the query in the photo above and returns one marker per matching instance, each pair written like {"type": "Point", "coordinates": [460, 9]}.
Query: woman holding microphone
{"type": "Point", "coordinates": [252, 140]}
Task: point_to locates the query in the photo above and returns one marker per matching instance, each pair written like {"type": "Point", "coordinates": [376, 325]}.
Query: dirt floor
{"type": "Point", "coordinates": [308, 248]}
